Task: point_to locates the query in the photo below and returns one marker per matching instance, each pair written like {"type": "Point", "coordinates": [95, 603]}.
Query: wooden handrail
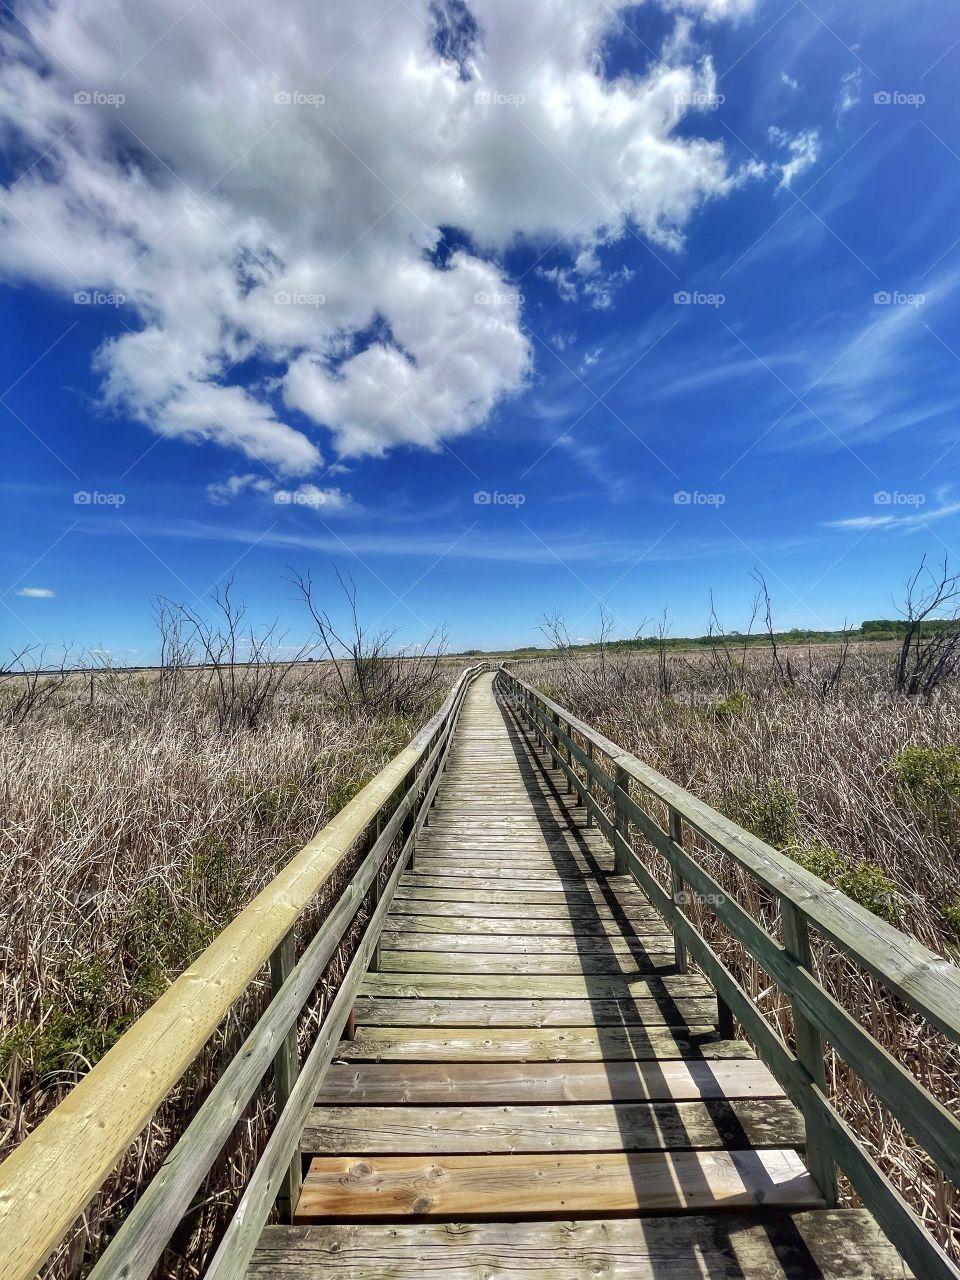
{"type": "Point", "coordinates": [925, 981]}
{"type": "Point", "coordinates": [47, 1182]}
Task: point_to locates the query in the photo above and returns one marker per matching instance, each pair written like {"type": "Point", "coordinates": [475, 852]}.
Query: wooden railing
{"type": "Point", "coordinates": [596, 767]}
{"type": "Point", "coordinates": [53, 1175]}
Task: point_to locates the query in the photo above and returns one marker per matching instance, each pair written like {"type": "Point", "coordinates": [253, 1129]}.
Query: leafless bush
{"type": "Point", "coordinates": [373, 675]}
{"type": "Point", "coordinates": [28, 684]}
{"type": "Point", "coordinates": [245, 673]}
{"type": "Point", "coordinates": [928, 657]}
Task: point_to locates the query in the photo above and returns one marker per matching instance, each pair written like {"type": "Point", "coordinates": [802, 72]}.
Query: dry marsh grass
{"type": "Point", "coordinates": [859, 784]}
{"type": "Point", "coordinates": [134, 825]}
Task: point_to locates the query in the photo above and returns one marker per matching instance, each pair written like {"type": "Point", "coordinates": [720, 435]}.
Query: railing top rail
{"type": "Point", "coordinates": [927, 982]}
{"type": "Point", "coordinates": [49, 1179]}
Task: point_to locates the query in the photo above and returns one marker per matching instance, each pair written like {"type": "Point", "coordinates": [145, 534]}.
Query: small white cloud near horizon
{"type": "Point", "coordinates": [37, 593]}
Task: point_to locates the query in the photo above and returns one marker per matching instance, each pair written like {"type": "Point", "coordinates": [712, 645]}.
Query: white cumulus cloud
{"type": "Point", "coordinates": [266, 191]}
{"type": "Point", "coordinates": [37, 593]}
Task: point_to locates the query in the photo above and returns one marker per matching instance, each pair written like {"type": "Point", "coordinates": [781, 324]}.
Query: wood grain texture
{"type": "Point", "coordinates": [491, 985]}
{"type": "Point", "coordinates": [652, 960]}
{"type": "Point", "coordinates": [774, 1245]}
{"type": "Point", "coordinates": [525, 1185]}
{"type": "Point", "coordinates": [547, 1044]}
{"type": "Point", "coordinates": [476, 1084]}
{"type": "Point", "coordinates": [667, 1011]}
{"type": "Point", "coordinates": [655, 1126]}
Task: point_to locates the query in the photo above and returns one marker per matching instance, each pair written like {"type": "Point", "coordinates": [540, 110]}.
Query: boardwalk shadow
{"type": "Point", "coordinates": [634, 1071]}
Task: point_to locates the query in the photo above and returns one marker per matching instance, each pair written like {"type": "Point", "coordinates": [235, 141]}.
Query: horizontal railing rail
{"type": "Point", "coordinates": [926, 982]}
{"type": "Point", "coordinates": [53, 1175]}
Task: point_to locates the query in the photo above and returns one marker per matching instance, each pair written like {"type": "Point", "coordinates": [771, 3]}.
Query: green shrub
{"type": "Point", "coordinates": [343, 792]}
{"type": "Point", "coordinates": [275, 801]}
{"type": "Point", "coordinates": [865, 882]}
{"type": "Point", "coordinates": [951, 915]}
{"type": "Point", "coordinates": [929, 780]}
{"type": "Point", "coordinates": [770, 812]}
{"type": "Point", "coordinates": [868, 885]}
{"type": "Point", "coordinates": [730, 708]}
{"type": "Point", "coordinates": [817, 858]}
{"type": "Point", "coordinates": [64, 1039]}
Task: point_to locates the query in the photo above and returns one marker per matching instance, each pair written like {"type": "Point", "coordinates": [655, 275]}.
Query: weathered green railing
{"type": "Point", "coordinates": [53, 1175]}
{"type": "Point", "coordinates": [927, 983]}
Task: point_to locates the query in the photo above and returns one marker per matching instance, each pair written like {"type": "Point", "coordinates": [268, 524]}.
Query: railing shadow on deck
{"type": "Point", "coordinates": [928, 983]}
{"type": "Point", "coordinates": [786, 1243]}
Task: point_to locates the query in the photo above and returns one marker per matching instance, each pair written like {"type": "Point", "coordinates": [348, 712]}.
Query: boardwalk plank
{"type": "Point", "coordinates": [840, 1244]}
{"type": "Point", "coordinates": [667, 1011]}
{"type": "Point", "coordinates": [611, 1183]}
{"type": "Point", "coordinates": [653, 1126]}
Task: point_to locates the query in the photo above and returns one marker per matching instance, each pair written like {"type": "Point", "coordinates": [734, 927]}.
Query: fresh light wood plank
{"type": "Point", "coordinates": [640, 1126]}
{"type": "Point", "coordinates": [613, 1183]}
{"type": "Point", "coordinates": [842, 1244]}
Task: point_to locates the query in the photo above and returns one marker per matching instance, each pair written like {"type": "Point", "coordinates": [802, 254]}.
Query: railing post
{"type": "Point", "coordinates": [809, 1050]}
{"type": "Point", "coordinates": [410, 822]}
{"type": "Point", "coordinates": [286, 1069]}
{"type": "Point", "coordinates": [621, 822]}
{"type": "Point", "coordinates": [373, 896]}
{"type": "Point", "coordinates": [589, 794]}
{"type": "Point", "coordinates": [678, 889]}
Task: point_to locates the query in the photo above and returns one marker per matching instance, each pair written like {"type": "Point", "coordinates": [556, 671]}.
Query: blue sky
{"type": "Point", "coordinates": [524, 316]}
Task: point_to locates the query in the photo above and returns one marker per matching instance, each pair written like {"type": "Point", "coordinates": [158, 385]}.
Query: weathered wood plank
{"type": "Point", "coordinates": [651, 941]}
{"type": "Point", "coordinates": [773, 1245]}
{"type": "Point", "coordinates": [558, 986]}
{"type": "Point", "coordinates": [666, 1011]}
{"type": "Point", "coordinates": [479, 906]}
{"type": "Point", "coordinates": [532, 926]}
{"type": "Point", "coordinates": [476, 1084]}
{"type": "Point", "coordinates": [611, 1183]}
{"type": "Point", "coordinates": [640, 1126]}
{"type": "Point", "coordinates": [438, 962]}
{"type": "Point", "coordinates": [546, 1044]}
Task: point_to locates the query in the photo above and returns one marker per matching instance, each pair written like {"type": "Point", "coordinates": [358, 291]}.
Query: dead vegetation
{"type": "Point", "coordinates": [847, 758]}
{"type": "Point", "coordinates": [140, 812]}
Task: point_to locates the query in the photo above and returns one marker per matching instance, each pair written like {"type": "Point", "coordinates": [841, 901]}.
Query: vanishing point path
{"type": "Point", "coordinates": [533, 1088]}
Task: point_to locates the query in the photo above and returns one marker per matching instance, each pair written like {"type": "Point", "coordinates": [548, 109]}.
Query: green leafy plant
{"type": "Point", "coordinates": [817, 858]}
{"type": "Point", "coordinates": [951, 915]}
{"type": "Point", "coordinates": [929, 781]}
{"type": "Point", "coordinates": [770, 812]}
{"type": "Point", "coordinates": [731, 707]}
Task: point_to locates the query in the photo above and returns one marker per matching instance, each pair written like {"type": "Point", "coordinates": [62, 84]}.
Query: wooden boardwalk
{"type": "Point", "coordinates": [533, 1088]}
